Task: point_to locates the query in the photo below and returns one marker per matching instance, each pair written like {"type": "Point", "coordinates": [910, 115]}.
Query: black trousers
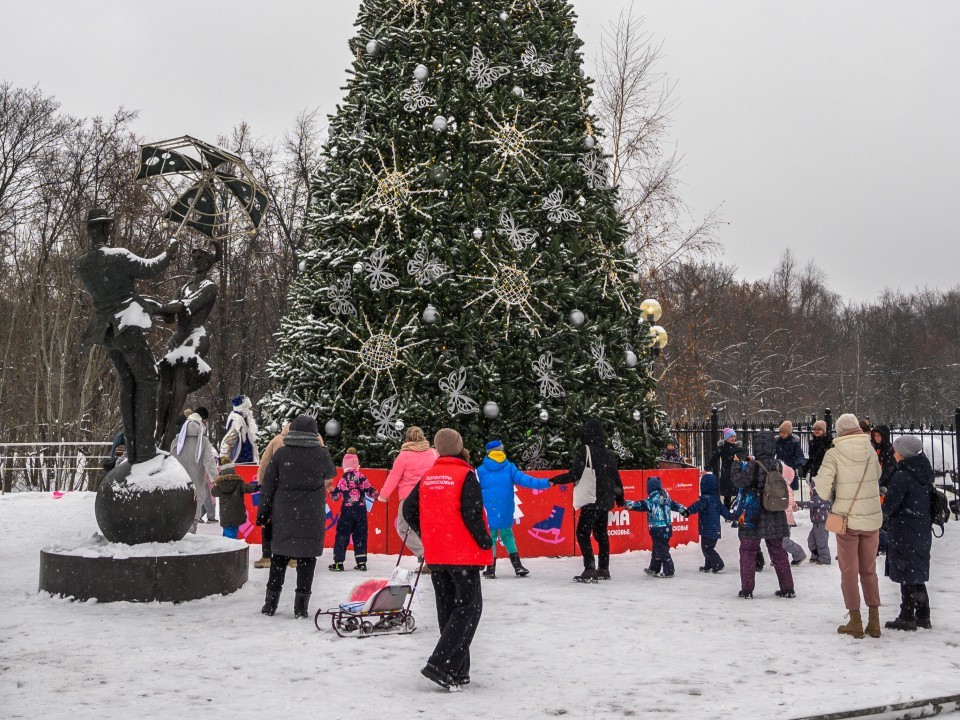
{"type": "Point", "coordinates": [660, 560]}
{"type": "Point", "coordinates": [352, 523]}
{"type": "Point", "coordinates": [593, 521]}
{"type": "Point", "coordinates": [459, 607]}
{"type": "Point", "coordinates": [278, 570]}
{"type": "Point", "coordinates": [711, 558]}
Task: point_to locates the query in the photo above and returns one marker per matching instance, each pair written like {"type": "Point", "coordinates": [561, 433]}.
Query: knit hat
{"type": "Point", "coordinates": [493, 445]}
{"type": "Point", "coordinates": [908, 445]}
{"type": "Point", "coordinates": [729, 433]}
{"type": "Point", "coordinates": [228, 468]}
{"type": "Point", "coordinates": [847, 424]}
{"type": "Point", "coordinates": [820, 425]}
{"type": "Point", "coordinates": [653, 483]}
{"type": "Point", "coordinates": [786, 426]}
{"type": "Point", "coordinates": [350, 460]}
{"type": "Point", "coordinates": [448, 442]}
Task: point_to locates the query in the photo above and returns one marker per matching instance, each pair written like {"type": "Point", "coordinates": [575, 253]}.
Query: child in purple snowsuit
{"type": "Point", "coordinates": [354, 488]}
{"type": "Point", "coordinates": [818, 539]}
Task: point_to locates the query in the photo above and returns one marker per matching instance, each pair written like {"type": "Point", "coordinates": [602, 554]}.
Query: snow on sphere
{"type": "Point", "coordinates": [429, 314]}
{"type": "Point", "coordinates": [577, 318]}
{"type": "Point", "coordinates": [302, 265]}
{"type": "Point", "coordinates": [589, 142]}
{"type": "Point", "coordinates": [439, 123]}
{"type": "Point", "coordinates": [491, 410]}
{"type": "Point", "coordinates": [544, 416]}
{"type": "Point", "coordinates": [421, 73]}
{"type": "Point", "coordinates": [637, 415]}
{"type": "Point", "coordinates": [373, 47]}
{"type": "Point", "coordinates": [332, 428]}
{"type": "Point", "coordinates": [398, 425]}
{"type": "Point", "coordinates": [518, 91]}
{"type": "Point", "coordinates": [503, 17]}
{"type": "Point", "coordinates": [630, 359]}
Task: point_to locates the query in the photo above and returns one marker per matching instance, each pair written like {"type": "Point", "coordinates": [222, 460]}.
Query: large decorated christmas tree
{"type": "Point", "coordinates": [467, 266]}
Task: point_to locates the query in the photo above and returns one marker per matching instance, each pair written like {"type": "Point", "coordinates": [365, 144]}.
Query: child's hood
{"type": "Point", "coordinates": [709, 484]}
{"type": "Point", "coordinates": [495, 462]}
{"type": "Point", "coordinates": [654, 485]}
{"type": "Point", "coordinates": [229, 483]}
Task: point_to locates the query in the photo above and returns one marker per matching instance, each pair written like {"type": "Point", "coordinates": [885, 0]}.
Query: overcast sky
{"type": "Point", "coordinates": [829, 126]}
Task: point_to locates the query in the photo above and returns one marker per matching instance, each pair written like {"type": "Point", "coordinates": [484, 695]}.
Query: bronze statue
{"type": "Point", "coordinates": [119, 324]}
{"type": "Point", "coordinates": [183, 369]}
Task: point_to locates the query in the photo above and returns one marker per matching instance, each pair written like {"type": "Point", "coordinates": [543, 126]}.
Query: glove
{"type": "Point", "coordinates": [685, 513]}
{"type": "Point", "coordinates": [262, 519]}
{"type": "Point", "coordinates": [619, 501]}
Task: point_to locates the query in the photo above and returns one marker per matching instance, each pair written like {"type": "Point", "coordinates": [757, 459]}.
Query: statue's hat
{"type": "Point", "coordinates": [98, 215]}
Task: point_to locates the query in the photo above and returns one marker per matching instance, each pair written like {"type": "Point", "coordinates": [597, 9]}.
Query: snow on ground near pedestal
{"type": "Point", "coordinates": [546, 647]}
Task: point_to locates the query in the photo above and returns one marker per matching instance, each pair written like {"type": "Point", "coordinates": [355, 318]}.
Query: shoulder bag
{"type": "Point", "coordinates": [585, 489]}
{"type": "Point", "coordinates": [837, 522]}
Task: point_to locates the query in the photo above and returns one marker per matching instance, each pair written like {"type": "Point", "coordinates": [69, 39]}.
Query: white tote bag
{"type": "Point", "coordinates": [585, 489]}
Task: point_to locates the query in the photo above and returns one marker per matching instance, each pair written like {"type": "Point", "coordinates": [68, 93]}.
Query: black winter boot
{"type": "Point", "coordinates": [907, 620]}
{"type": "Point", "coordinates": [300, 603]}
{"type": "Point", "coordinates": [519, 569]}
{"type": "Point", "coordinates": [588, 575]}
{"type": "Point", "coordinates": [923, 608]}
{"type": "Point", "coordinates": [270, 602]}
{"type": "Point", "coordinates": [491, 571]}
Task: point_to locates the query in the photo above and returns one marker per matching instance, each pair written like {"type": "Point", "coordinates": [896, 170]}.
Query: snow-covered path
{"type": "Point", "coordinates": [636, 646]}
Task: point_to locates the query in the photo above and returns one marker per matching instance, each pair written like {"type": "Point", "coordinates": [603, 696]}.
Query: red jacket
{"type": "Point", "coordinates": [446, 507]}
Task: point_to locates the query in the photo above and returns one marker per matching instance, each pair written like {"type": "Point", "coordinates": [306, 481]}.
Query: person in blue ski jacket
{"type": "Point", "coordinates": [497, 478]}
{"type": "Point", "coordinates": [658, 506]}
{"type": "Point", "coordinates": [709, 509]}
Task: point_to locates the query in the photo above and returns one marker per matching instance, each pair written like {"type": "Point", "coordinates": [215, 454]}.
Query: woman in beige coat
{"type": "Point", "coordinates": [849, 477]}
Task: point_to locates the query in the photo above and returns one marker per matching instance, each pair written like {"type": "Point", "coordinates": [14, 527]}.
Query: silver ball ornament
{"type": "Point", "coordinates": [332, 428]}
{"type": "Point", "coordinates": [439, 123]}
{"type": "Point", "coordinates": [358, 268]}
{"type": "Point", "coordinates": [544, 416]}
{"type": "Point", "coordinates": [630, 359]}
{"type": "Point", "coordinates": [589, 142]}
{"type": "Point", "coordinates": [429, 315]}
{"type": "Point", "coordinates": [518, 91]}
{"type": "Point", "coordinates": [398, 425]}
{"type": "Point", "coordinates": [637, 415]}
{"type": "Point", "coordinates": [491, 411]}
{"type": "Point", "coordinates": [373, 48]}
{"type": "Point", "coordinates": [503, 17]}
{"type": "Point", "coordinates": [582, 201]}
{"type": "Point", "coordinates": [421, 73]}
{"type": "Point", "coordinates": [273, 427]}
{"type": "Point", "coordinates": [477, 233]}
{"type": "Point", "coordinates": [302, 265]}
{"type": "Point", "coordinates": [577, 318]}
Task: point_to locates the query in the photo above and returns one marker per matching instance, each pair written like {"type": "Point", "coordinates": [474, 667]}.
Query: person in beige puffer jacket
{"type": "Point", "coordinates": [849, 477]}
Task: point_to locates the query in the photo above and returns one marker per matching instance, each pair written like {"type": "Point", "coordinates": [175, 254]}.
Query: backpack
{"type": "Point", "coordinates": [746, 508]}
{"type": "Point", "coordinates": [939, 510]}
{"type": "Point", "coordinates": [776, 496]}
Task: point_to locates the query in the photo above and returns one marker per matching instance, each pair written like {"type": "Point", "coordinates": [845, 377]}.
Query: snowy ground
{"type": "Point", "coordinates": [635, 646]}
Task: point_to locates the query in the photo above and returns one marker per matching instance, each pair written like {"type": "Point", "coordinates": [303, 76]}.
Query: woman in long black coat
{"type": "Point", "coordinates": [293, 500]}
{"type": "Point", "coordinates": [906, 507]}
{"type": "Point", "coordinates": [721, 463]}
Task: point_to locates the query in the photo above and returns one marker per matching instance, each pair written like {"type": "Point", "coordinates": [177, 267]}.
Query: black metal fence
{"type": "Point", "coordinates": [697, 441]}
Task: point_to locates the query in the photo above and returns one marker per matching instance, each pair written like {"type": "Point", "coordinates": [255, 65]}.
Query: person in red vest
{"type": "Point", "coordinates": [446, 510]}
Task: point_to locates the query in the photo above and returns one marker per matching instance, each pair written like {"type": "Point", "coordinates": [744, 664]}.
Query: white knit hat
{"type": "Point", "coordinates": [847, 424]}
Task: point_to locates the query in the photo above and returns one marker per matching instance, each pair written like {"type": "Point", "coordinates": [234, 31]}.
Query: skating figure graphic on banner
{"type": "Point", "coordinates": [548, 529]}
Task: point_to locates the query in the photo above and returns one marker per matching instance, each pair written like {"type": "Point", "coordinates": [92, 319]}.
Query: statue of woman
{"type": "Point", "coordinates": [183, 369]}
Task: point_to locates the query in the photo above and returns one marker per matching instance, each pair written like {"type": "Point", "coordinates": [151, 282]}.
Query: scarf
{"type": "Point", "coordinates": [418, 446]}
{"type": "Point", "coordinates": [296, 438]}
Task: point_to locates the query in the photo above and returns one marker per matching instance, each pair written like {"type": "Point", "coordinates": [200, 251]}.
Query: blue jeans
{"type": "Point", "coordinates": [231, 532]}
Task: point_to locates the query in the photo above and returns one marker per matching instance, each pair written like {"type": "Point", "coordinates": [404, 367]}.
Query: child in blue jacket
{"type": "Point", "coordinates": [497, 478]}
{"type": "Point", "coordinates": [710, 508]}
{"type": "Point", "coordinates": [658, 506]}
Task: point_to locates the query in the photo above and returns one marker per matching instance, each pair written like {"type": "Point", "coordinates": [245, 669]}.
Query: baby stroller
{"type": "Point", "coordinates": [385, 611]}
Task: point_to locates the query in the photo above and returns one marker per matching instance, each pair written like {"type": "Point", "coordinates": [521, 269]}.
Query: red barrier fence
{"type": "Point", "coordinates": [546, 517]}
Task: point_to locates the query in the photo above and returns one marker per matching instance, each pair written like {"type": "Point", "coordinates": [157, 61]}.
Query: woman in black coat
{"type": "Point", "coordinates": [906, 508]}
{"type": "Point", "coordinates": [721, 462]}
{"type": "Point", "coordinates": [593, 517]}
{"type": "Point", "coordinates": [293, 500]}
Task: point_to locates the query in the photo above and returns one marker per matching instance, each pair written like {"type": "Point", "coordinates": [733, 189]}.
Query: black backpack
{"type": "Point", "coordinates": [939, 510]}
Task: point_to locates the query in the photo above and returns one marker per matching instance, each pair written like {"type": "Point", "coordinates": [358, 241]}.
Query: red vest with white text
{"type": "Point", "coordinates": [446, 540]}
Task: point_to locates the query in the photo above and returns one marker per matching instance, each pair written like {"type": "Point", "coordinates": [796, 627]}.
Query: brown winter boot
{"type": "Point", "coordinates": [873, 622]}
{"type": "Point", "coordinates": [854, 627]}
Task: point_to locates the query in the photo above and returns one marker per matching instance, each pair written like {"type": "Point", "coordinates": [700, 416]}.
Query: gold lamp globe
{"type": "Point", "coordinates": [651, 310]}
{"type": "Point", "coordinates": [660, 337]}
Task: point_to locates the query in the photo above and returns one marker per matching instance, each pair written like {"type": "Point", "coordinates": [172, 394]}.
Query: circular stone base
{"type": "Point", "coordinates": [165, 578]}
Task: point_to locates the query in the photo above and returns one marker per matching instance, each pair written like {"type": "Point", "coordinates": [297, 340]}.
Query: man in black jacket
{"type": "Point", "coordinates": [593, 517]}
